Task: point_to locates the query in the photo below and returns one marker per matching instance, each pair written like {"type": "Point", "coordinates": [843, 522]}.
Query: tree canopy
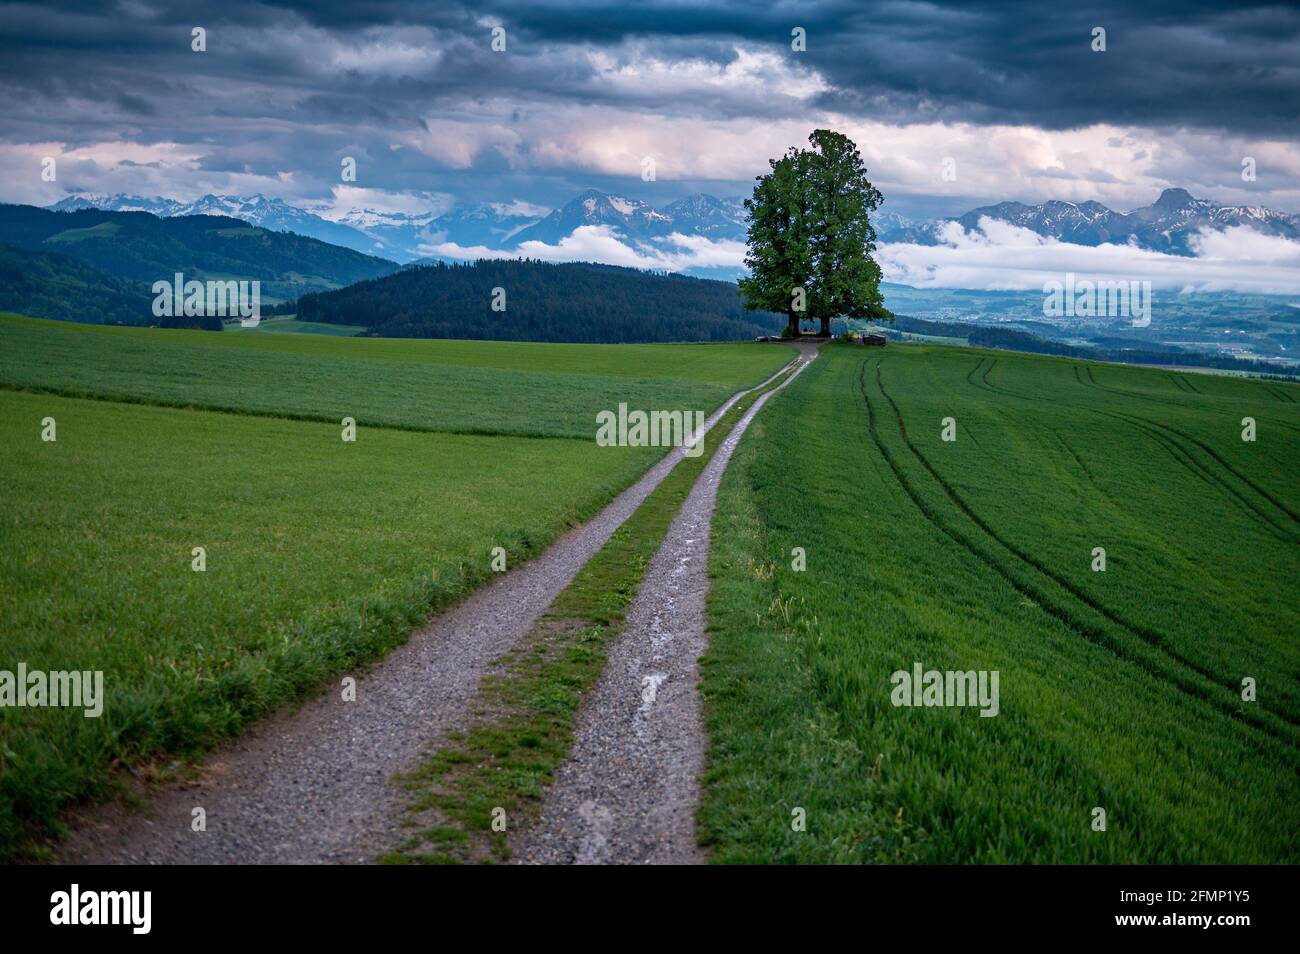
{"type": "Point", "coordinates": [811, 238]}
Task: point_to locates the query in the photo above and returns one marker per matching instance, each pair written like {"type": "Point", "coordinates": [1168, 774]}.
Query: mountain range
{"type": "Point", "coordinates": [95, 265]}
{"type": "Point", "coordinates": [404, 238]}
{"type": "Point", "coordinates": [1167, 225]}
{"type": "Point", "coordinates": [273, 214]}
{"type": "Point", "coordinates": [701, 215]}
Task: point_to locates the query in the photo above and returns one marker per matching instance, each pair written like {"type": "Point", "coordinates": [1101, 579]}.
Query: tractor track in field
{"type": "Point", "coordinates": [1152, 638]}
{"type": "Point", "coordinates": [1164, 436]}
{"type": "Point", "coordinates": [1184, 458]}
{"type": "Point", "coordinates": [316, 783]}
{"type": "Point", "coordinates": [1181, 456]}
{"type": "Point", "coordinates": [629, 790]}
{"type": "Point", "coordinates": [1089, 631]}
{"type": "Point", "coordinates": [1175, 450]}
{"type": "Point", "coordinates": [1087, 471]}
{"type": "Point", "coordinates": [1213, 454]}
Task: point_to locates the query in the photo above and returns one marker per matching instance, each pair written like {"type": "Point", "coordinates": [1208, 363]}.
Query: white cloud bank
{"type": "Point", "coordinates": [995, 257]}
{"type": "Point", "coordinates": [604, 244]}
{"type": "Point", "coordinates": [1000, 256]}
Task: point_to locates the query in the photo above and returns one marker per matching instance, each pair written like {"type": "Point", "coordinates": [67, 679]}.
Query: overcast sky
{"type": "Point", "coordinates": [1014, 94]}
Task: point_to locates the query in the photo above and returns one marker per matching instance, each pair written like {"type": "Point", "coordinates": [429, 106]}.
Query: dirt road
{"type": "Point", "coordinates": [316, 784]}
{"type": "Point", "coordinates": [630, 788]}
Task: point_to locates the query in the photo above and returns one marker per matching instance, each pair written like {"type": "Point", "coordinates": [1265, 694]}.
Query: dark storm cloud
{"type": "Point", "coordinates": [284, 89]}
{"type": "Point", "coordinates": [1208, 65]}
{"type": "Point", "coordinates": [1201, 65]}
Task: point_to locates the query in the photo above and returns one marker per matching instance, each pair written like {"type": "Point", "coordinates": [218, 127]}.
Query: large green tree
{"type": "Point", "coordinates": [846, 278]}
{"type": "Point", "coordinates": [810, 236]}
{"type": "Point", "coordinates": [779, 256]}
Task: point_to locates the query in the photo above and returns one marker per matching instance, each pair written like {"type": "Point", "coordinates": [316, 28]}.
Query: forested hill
{"type": "Point", "coordinates": [48, 285]}
{"type": "Point", "coordinates": [575, 302]}
{"type": "Point", "coordinates": [143, 248]}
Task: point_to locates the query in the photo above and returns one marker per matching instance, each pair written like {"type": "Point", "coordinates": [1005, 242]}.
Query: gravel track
{"type": "Point", "coordinates": [628, 793]}
{"type": "Point", "coordinates": [315, 784]}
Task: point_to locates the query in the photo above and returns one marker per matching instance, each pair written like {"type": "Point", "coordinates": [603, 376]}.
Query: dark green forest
{"type": "Point", "coordinates": [46, 285]}
{"type": "Point", "coordinates": [574, 302]}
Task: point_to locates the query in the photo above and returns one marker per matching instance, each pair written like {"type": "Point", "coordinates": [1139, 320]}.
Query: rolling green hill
{"type": "Point", "coordinates": [52, 285]}
{"type": "Point", "coordinates": [287, 325]}
{"type": "Point", "coordinates": [143, 248]}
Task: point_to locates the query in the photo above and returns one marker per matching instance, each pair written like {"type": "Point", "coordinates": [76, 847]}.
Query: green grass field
{"type": "Point", "coordinates": [320, 554]}
{"type": "Point", "coordinates": [475, 387]}
{"type": "Point", "coordinates": [1119, 690]}
{"type": "Point", "coordinates": [292, 326]}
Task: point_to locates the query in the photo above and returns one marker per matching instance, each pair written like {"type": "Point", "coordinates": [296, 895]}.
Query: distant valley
{"type": "Point", "coordinates": [296, 251]}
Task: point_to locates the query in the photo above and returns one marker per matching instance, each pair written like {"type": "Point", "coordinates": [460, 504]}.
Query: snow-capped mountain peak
{"type": "Point", "coordinates": [120, 202]}
{"type": "Point", "coordinates": [268, 212]}
{"type": "Point", "coordinates": [636, 220]}
{"type": "Point", "coordinates": [403, 236]}
{"type": "Point", "coordinates": [1167, 225]}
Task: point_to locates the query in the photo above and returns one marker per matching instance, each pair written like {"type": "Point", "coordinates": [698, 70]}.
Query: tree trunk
{"type": "Point", "coordinates": [826, 327]}
{"type": "Point", "coordinates": [792, 325]}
